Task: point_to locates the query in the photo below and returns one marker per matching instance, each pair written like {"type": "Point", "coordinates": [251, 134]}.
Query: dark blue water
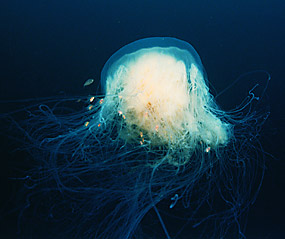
{"type": "Point", "coordinates": [52, 47]}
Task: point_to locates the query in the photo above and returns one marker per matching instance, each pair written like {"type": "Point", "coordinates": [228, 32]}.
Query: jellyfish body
{"type": "Point", "coordinates": [159, 87]}
{"type": "Point", "coordinates": [156, 137]}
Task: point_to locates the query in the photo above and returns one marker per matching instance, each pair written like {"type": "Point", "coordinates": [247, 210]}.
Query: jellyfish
{"type": "Point", "coordinates": [151, 157]}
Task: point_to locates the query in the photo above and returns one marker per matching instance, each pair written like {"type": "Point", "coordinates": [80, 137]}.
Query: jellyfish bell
{"type": "Point", "coordinates": [159, 87]}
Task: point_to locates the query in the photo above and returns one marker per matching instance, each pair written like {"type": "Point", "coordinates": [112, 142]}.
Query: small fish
{"type": "Point", "coordinates": [88, 82]}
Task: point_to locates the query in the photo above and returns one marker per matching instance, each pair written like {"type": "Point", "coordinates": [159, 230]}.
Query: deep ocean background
{"type": "Point", "coordinates": [51, 47]}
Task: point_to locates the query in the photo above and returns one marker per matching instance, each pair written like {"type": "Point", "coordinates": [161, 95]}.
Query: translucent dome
{"type": "Point", "coordinates": [158, 87]}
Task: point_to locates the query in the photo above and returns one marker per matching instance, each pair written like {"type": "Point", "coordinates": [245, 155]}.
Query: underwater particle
{"type": "Point", "coordinates": [88, 82]}
{"type": "Point", "coordinates": [207, 150]}
{"type": "Point", "coordinates": [174, 200]}
{"type": "Point", "coordinates": [92, 99]}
